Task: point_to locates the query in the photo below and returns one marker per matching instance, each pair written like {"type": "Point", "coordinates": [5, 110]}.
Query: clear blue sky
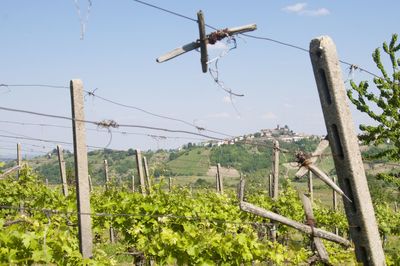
{"type": "Point", "coordinates": [41, 45]}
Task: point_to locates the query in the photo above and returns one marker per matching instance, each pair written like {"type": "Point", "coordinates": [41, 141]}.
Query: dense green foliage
{"type": "Point", "coordinates": [386, 99]}
{"type": "Point", "coordinates": [249, 158]}
{"type": "Point", "coordinates": [180, 226]}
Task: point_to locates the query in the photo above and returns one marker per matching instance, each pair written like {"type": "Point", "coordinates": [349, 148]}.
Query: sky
{"type": "Point", "coordinates": [42, 44]}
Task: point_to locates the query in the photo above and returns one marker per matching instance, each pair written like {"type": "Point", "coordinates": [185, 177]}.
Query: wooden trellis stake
{"type": "Point", "coordinates": [106, 177]}
{"type": "Point", "coordinates": [319, 246]}
{"type": "Point", "coordinates": [310, 186]}
{"type": "Point", "coordinates": [133, 183]}
{"type": "Point", "coordinates": [9, 171]}
{"type": "Point", "coordinates": [334, 202]}
{"type": "Point", "coordinates": [275, 170]}
{"type": "Point", "coordinates": [147, 174]}
{"type": "Point", "coordinates": [317, 232]}
{"type": "Point", "coordinates": [220, 179]}
{"type": "Point", "coordinates": [270, 185]}
{"type": "Point", "coordinates": [81, 169]}
{"type": "Point", "coordinates": [19, 158]}
{"type": "Point", "coordinates": [139, 166]}
{"type": "Point", "coordinates": [63, 176]}
{"type": "Point", "coordinates": [203, 40]}
{"type": "Point", "coordinates": [346, 152]}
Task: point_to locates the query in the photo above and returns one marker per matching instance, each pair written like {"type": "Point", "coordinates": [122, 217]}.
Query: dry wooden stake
{"type": "Point", "coordinates": [220, 179]}
{"type": "Point", "coordinates": [319, 246]}
{"type": "Point", "coordinates": [310, 186]}
{"type": "Point", "coordinates": [169, 184]}
{"type": "Point", "coordinates": [346, 152]}
{"type": "Point", "coordinates": [275, 170]}
{"type": "Point", "coordinates": [81, 169]}
{"type": "Point", "coordinates": [9, 171]}
{"type": "Point", "coordinates": [19, 158]}
{"type": "Point", "coordinates": [248, 207]}
{"type": "Point", "coordinates": [334, 202]}
{"type": "Point", "coordinates": [133, 183]}
{"type": "Point", "coordinates": [146, 171]}
{"type": "Point", "coordinates": [204, 40]}
{"type": "Point", "coordinates": [61, 165]}
{"type": "Point", "coordinates": [140, 171]}
{"type": "Point", "coordinates": [275, 188]}
{"type": "Point", "coordinates": [216, 183]}
{"type": "Point", "coordinates": [106, 178]}
{"type": "Point", "coordinates": [270, 184]}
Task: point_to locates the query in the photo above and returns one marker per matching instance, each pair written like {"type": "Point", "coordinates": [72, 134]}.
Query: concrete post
{"type": "Point", "coordinates": [346, 153]}
{"type": "Point", "coordinates": [81, 169]}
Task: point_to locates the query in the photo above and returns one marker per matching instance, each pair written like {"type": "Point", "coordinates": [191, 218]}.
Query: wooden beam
{"type": "Point", "coordinates": [319, 246]}
{"type": "Point", "coordinates": [203, 41]}
{"type": "Point", "coordinates": [248, 207]}
{"type": "Point", "coordinates": [196, 44]}
{"type": "Point", "coordinates": [9, 171]}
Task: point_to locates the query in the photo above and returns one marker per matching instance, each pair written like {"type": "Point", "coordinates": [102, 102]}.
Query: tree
{"type": "Point", "coordinates": [386, 99]}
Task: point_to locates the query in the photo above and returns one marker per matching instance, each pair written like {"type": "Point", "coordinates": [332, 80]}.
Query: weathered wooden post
{"type": "Point", "coordinates": [275, 170]}
{"type": "Point", "coordinates": [216, 183]}
{"type": "Point", "coordinates": [275, 178]}
{"type": "Point", "coordinates": [19, 158]}
{"type": "Point", "coordinates": [90, 183]}
{"type": "Point", "coordinates": [107, 181]}
{"type": "Point", "coordinates": [47, 182]}
{"type": "Point", "coordinates": [334, 202]}
{"type": "Point", "coordinates": [147, 174]}
{"type": "Point", "coordinates": [140, 171]}
{"type": "Point", "coordinates": [319, 246]}
{"type": "Point", "coordinates": [61, 164]}
{"type": "Point", "coordinates": [106, 178]}
{"type": "Point", "coordinates": [81, 169]}
{"type": "Point", "coordinates": [169, 184]}
{"type": "Point", "coordinates": [133, 183]}
{"type": "Point", "coordinates": [220, 179]}
{"type": "Point", "coordinates": [310, 186]}
{"type": "Point", "coordinates": [270, 184]}
{"type": "Point", "coordinates": [346, 153]}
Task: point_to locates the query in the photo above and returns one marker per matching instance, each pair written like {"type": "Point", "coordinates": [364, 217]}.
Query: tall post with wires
{"type": "Point", "coordinates": [61, 164]}
{"type": "Point", "coordinates": [346, 152]}
{"type": "Point", "coordinates": [81, 169]}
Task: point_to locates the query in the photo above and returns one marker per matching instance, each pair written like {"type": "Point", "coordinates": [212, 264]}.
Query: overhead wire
{"type": "Point", "coordinates": [91, 93]}
{"type": "Point", "coordinates": [108, 123]}
{"type": "Point", "coordinates": [251, 35]}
